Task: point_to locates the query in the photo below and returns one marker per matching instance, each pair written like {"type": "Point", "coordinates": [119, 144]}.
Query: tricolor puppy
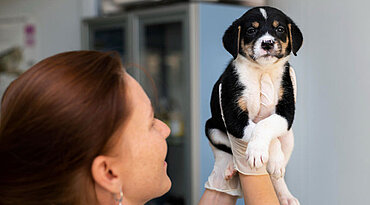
{"type": "Point", "coordinates": [260, 42]}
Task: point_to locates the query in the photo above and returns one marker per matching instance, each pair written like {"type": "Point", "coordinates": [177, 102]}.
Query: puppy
{"type": "Point", "coordinates": [260, 42]}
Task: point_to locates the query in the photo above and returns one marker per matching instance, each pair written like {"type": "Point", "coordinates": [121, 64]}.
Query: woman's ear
{"type": "Point", "coordinates": [105, 174]}
{"type": "Point", "coordinates": [231, 39]}
{"type": "Point", "coordinates": [295, 36]}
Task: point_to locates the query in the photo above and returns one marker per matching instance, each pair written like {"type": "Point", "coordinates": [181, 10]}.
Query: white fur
{"type": "Point", "coordinates": [250, 74]}
{"type": "Point", "coordinates": [248, 130]}
{"type": "Point", "coordinates": [263, 12]}
{"type": "Point", "coordinates": [287, 145]}
{"type": "Point", "coordinates": [279, 154]}
{"type": "Point", "coordinates": [259, 51]}
{"type": "Point", "coordinates": [266, 130]}
{"type": "Point", "coordinates": [283, 193]}
{"type": "Point", "coordinates": [270, 128]}
{"type": "Point", "coordinates": [257, 154]}
{"type": "Point", "coordinates": [276, 163]}
{"type": "Point", "coordinates": [219, 137]}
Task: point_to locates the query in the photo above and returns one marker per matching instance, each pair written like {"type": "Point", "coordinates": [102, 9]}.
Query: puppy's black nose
{"type": "Point", "coordinates": [267, 45]}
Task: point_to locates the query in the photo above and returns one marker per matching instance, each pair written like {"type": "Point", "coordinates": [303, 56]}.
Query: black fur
{"type": "Point", "coordinates": [230, 38]}
{"type": "Point", "coordinates": [286, 106]}
{"type": "Point", "coordinates": [297, 37]}
{"type": "Point", "coordinates": [236, 119]}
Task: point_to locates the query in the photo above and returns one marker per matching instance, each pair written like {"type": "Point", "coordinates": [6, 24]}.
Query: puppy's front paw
{"type": "Point", "coordinates": [248, 131]}
{"type": "Point", "coordinates": [257, 153]}
{"type": "Point", "coordinates": [275, 166]}
{"type": "Point", "coordinates": [288, 200]}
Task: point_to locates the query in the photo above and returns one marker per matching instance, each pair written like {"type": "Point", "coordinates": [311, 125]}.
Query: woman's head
{"type": "Point", "coordinates": [61, 122]}
{"type": "Point", "coordinates": [139, 156]}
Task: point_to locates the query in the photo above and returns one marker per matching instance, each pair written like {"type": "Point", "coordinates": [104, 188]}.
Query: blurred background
{"type": "Point", "coordinates": [179, 44]}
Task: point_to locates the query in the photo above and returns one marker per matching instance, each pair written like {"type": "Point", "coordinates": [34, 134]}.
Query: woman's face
{"type": "Point", "coordinates": [142, 148]}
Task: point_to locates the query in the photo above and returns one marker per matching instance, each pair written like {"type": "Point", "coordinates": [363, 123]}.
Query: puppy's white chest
{"type": "Point", "coordinates": [251, 95]}
{"type": "Point", "coordinates": [261, 91]}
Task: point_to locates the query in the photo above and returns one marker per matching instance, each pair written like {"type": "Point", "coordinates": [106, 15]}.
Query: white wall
{"type": "Point", "coordinates": [57, 22]}
{"type": "Point", "coordinates": [330, 163]}
{"type": "Point", "coordinates": [58, 26]}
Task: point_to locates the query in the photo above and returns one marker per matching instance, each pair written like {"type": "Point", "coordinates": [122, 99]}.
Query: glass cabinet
{"type": "Point", "coordinates": [106, 35]}
{"type": "Point", "coordinates": [153, 44]}
{"type": "Point", "coordinates": [109, 39]}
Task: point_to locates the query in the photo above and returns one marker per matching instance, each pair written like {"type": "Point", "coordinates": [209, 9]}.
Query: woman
{"type": "Point", "coordinates": [77, 129]}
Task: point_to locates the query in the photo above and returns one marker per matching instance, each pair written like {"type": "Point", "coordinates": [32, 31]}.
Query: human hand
{"type": "Point", "coordinates": [223, 178]}
{"type": "Point", "coordinates": [241, 162]}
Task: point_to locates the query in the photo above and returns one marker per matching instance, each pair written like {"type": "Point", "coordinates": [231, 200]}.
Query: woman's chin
{"type": "Point", "coordinates": [164, 188]}
{"type": "Point", "coordinates": [167, 185]}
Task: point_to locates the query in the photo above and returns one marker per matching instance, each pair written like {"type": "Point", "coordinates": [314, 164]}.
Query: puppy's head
{"type": "Point", "coordinates": [263, 35]}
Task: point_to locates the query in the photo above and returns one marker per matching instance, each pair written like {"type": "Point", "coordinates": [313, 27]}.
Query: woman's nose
{"type": "Point", "coordinates": [165, 130]}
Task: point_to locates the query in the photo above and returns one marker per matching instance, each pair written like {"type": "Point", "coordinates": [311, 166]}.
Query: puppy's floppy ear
{"type": "Point", "coordinates": [295, 36]}
{"type": "Point", "coordinates": [231, 38]}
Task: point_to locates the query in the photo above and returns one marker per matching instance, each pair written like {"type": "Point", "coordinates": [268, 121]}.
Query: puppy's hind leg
{"type": "Point", "coordinates": [280, 152]}
{"type": "Point", "coordinates": [276, 164]}
{"type": "Point", "coordinates": [284, 195]}
{"type": "Point", "coordinates": [287, 144]}
{"type": "Point", "coordinates": [282, 191]}
{"type": "Point", "coordinates": [219, 138]}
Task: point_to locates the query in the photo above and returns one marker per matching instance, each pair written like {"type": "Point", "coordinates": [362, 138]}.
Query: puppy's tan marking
{"type": "Point", "coordinates": [281, 92]}
{"type": "Point", "coordinates": [242, 104]}
{"type": "Point", "coordinates": [290, 35]}
{"type": "Point", "coordinates": [247, 49]}
{"type": "Point", "coordinates": [275, 23]}
{"type": "Point", "coordinates": [243, 46]}
{"type": "Point", "coordinates": [284, 45]}
{"type": "Point", "coordinates": [238, 38]}
{"type": "Point", "coordinates": [255, 24]}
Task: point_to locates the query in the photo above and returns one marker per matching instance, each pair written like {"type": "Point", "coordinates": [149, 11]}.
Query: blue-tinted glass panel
{"type": "Point", "coordinates": [110, 39]}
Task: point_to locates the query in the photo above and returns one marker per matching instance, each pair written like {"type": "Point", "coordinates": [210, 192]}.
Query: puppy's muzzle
{"type": "Point", "coordinates": [267, 45]}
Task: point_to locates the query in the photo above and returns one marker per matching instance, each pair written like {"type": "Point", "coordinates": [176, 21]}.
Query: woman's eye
{"type": "Point", "coordinates": [280, 29]}
{"type": "Point", "coordinates": [251, 30]}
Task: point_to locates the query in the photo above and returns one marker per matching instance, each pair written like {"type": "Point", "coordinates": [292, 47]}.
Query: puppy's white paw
{"type": "Point", "coordinates": [248, 131]}
{"type": "Point", "coordinates": [257, 153]}
{"type": "Point", "coordinates": [275, 166]}
{"type": "Point", "coordinates": [288, 200]}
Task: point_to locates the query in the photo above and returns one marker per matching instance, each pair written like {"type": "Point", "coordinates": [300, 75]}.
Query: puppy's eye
{"type": "Point", "coordinates": [280, 29]}
{"type": "Point", "coordinates": [251, 31]}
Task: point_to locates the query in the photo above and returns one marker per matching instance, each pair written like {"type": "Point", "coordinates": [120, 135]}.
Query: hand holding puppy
{"type": "Point", "coordinates": [223, 178]}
